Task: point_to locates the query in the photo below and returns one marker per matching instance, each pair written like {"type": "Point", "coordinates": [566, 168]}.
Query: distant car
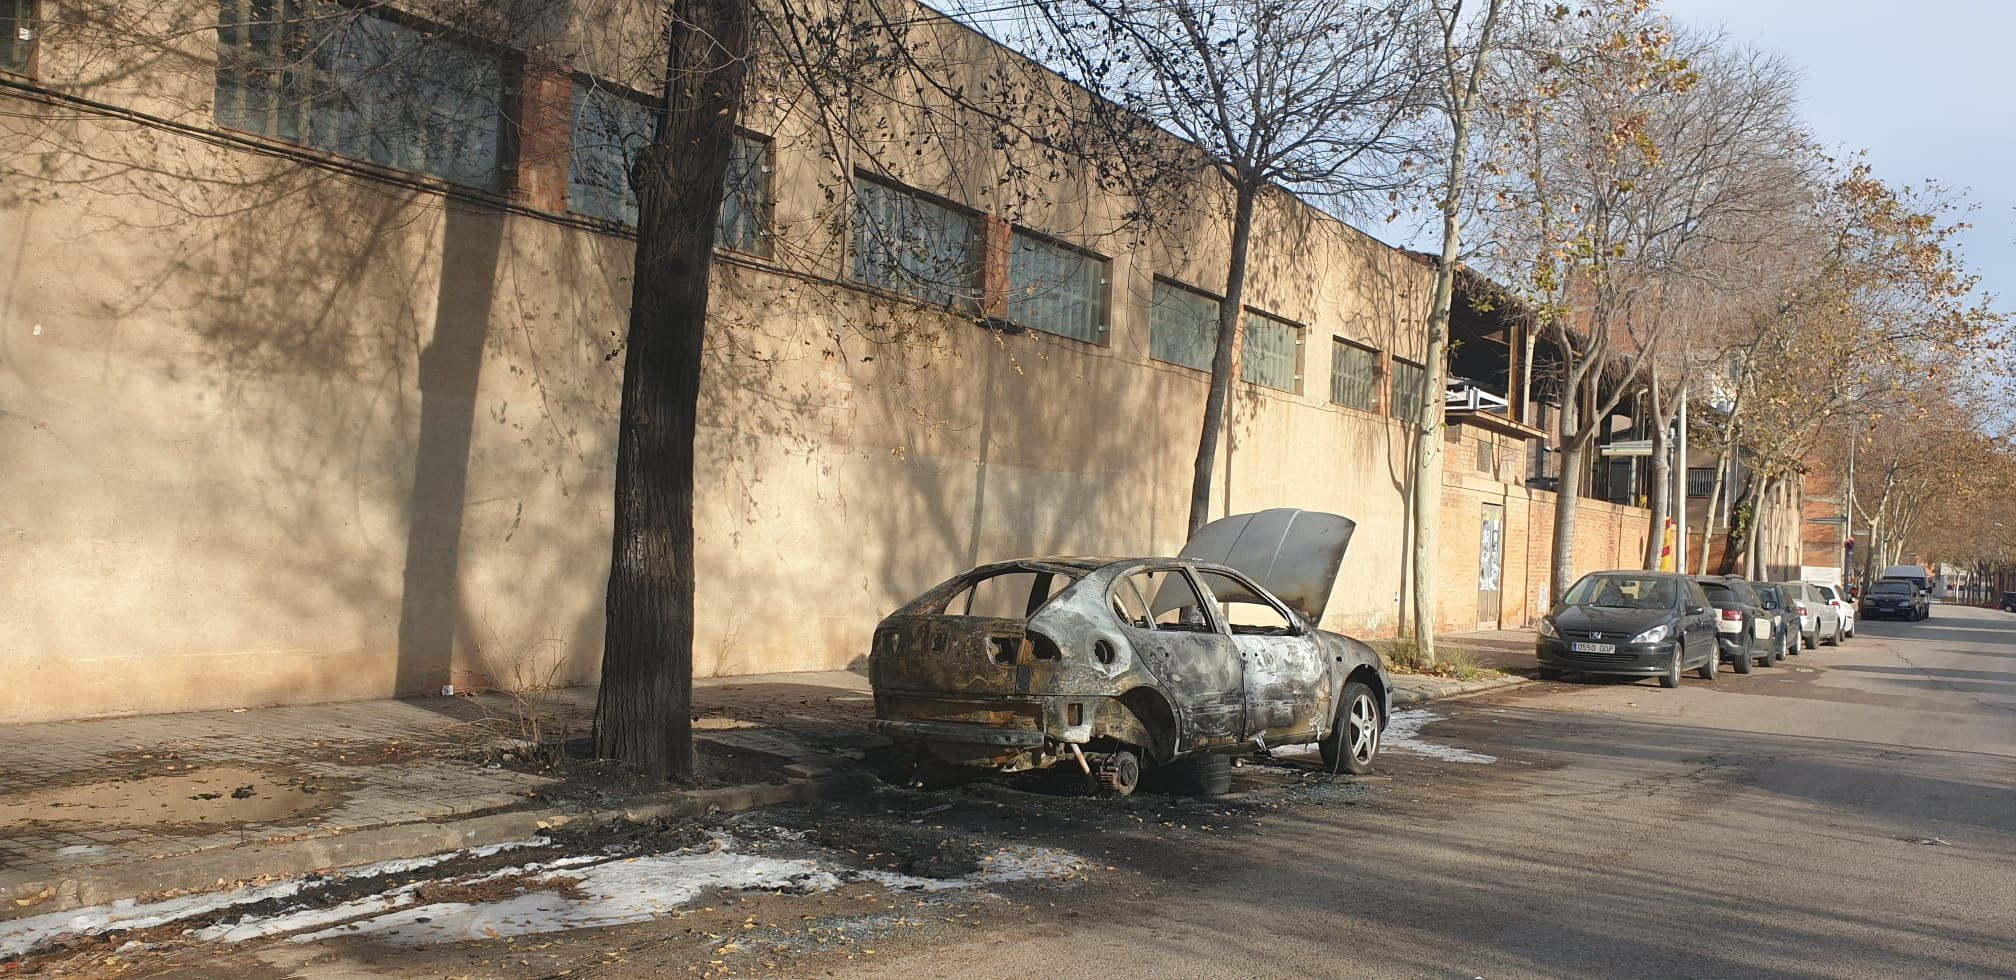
{"type": "Point", "coordinates": [1742, 625]}
{"type": "Point", "coordinates": [1784, 618]}
{"type": "Point", "coordinates": [1819, 618]}
{"type": "Point", "coordinates": [1843, 607]}
{"type": "Point", "coordinates": [2009, 602]}
{"type": "Point", "coordinates": [1114, 666]}
{"type": "Point", "coordinates": [1641, 624]}
{"type": "Point", "coordinates": [1894, 598]}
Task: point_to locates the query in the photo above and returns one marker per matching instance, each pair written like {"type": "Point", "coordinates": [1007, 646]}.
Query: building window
{"type": "Point", "coordinates": [907, 244]}
{"type": "Point", "coordinates": [1272, 357]}
{"type": "Point", "coordinates": [17, 35]}
{"type": "Point", "coordinates": [1354, 375]}
{"type": "Point", "coordinates": [1182, 326]}
{"type": "Point", "coordinates": [610, 128]}
{"type": "Point", "coordinates": [1056, 289]}
{"type": "Point", "coordinates": [1410, 389]}
{"type": "Point", "coordinates": [1700, 481]}
{"type": "Point", "coordinates": [325, 76]}
{"type": "Point", "coordinates": [744, 223]}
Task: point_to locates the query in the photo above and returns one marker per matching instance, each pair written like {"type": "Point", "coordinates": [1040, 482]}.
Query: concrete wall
{"type": "Point", "coordinates": [281, 429]}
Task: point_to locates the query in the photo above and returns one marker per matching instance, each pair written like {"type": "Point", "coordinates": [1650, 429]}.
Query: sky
{"type": "Point", "coordinates": [1923, 87]}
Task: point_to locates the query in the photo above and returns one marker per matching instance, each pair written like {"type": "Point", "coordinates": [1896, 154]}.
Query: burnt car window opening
{"type": "Point", "coordinates": [1176, 606]}
{"type": "Point", "coordinates": [1012, 593]}
{"type": "Point", "coordinates": [1624, 592]}
{"type": "Point", "coordinates": [1245, 610]}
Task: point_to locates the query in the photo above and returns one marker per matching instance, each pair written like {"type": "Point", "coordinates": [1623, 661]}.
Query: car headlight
{"type": "Point", "coordinates": [1547, 627]}
{"type": "Point", "coordinates": [1653, 635]}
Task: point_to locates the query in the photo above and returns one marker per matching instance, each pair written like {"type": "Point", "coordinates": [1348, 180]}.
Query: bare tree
{"type": "Point", "coordinates": [1632, 150]}
{"type": "Point", "coordinates": [1317, 97]}
{"type": "Point", "coordinates": [1466, 41]}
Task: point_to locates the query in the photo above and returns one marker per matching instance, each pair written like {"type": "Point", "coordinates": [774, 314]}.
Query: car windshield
{"type": "Point", "coordinates": [1892, 588]}
{"type": "Point", "coordinates": [1624, 592]}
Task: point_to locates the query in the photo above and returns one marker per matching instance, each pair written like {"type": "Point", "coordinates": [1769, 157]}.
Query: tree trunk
{"type": "Point", "coordinates": [643, 714]}
{"type": "Point", "coordinates": [1225, 359]}
{"type": "Point", "coordinates": [1662, 494]}
{"type": "Point", "coordinates": [1567, 497]}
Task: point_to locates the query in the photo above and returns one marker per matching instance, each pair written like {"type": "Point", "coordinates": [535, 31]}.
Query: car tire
{"type": "Point", "coordinates": [1711, 665]}
{"type": "Point", "coordinates": [1549, 673]}
{"type": "Point", "coordinates": [1838, 634]}
{"type": "Point", "coordinates": [1851, 631]}
{"type": "Point", "coordinates": [1777, 653]}
{"type": "Point", "coordinates": [1204, 775]}
{"type": "Point", "coordinates": [1671, 678]}
{"type": "Point", "coordinates": [1353, 745]}
{"type": "Point", "coordinates": [1809, 639]}
{"type": "Point", "coordinates": [1741, 662]}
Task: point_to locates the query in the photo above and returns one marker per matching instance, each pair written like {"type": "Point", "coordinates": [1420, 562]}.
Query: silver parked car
{"type": "Point", "coordinates": [1819, 618]}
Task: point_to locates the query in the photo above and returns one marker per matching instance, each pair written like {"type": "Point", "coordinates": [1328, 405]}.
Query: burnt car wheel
{"type": "Point", "coordinates": [1204, 775]}
{"type": "Point", "coordinates": [1353, 744]}
{"type": "Point", "coordinates": [1120, 774]}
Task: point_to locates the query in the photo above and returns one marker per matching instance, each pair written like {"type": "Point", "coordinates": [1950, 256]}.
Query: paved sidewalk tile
{"type": "Point", "coordinates": [75, 795]}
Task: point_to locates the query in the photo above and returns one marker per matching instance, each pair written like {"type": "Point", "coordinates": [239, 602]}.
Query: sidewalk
{"type": "Point", "coordinates": [93, 811]}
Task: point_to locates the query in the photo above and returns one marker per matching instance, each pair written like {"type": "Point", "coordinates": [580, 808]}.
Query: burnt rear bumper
{"type": "Point", "coordinates": [958, 733]}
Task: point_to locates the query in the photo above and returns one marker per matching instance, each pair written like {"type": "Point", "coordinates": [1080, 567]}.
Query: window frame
{"type": "Point", "coordinates": [1101, 263]}
{"type": "Point", "coordinates": [1296, 627]}
{"type": "Point", "coordinates": [1393, 393]}
{"type": "Point", "coordinates": [1709, 481]}
{"type": "Point", "coordinates": [509, 65]}
{"type": "Point", "coordinates": [1297, 331]}
{"type": "Point", "coordinates": [1161, 281]}
{"type": "Point", "coordinates": [1205, 601]}
{"type": "Point", "coordinates": [976, 243]}
{"type": "Point", "coordinates": [1338, 344]}
{"type": "Point", "coordinates": [766, 214]}
{"type": "Point", "coordinates": [30, 14]}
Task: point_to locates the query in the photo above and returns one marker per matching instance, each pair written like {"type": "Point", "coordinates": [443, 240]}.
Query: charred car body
{"type": "Point", "coordinates": [1116, 665]}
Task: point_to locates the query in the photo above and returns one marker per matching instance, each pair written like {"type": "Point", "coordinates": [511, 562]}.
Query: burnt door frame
{"type": "Point", "coordinates": [1283, 676]}
{"type": "Point", "coordinates": [1491, 566]}
{"type": "Point", "coordinates": [1200, 670]}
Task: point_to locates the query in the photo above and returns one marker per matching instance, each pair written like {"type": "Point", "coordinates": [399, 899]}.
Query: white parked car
{"type": "Point", "coordinates": [1838, 599]}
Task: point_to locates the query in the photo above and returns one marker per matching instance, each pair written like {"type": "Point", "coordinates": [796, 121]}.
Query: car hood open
{"type": "Point", "coordinates": [1292, 553]}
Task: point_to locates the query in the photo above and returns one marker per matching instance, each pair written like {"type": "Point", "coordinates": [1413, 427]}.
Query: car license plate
{"type": "Point", "coordinates": [1593, 647]}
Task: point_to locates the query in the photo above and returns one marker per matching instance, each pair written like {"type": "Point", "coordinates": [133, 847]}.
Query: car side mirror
{"type": "Point", "coordinates": [1696, 610]}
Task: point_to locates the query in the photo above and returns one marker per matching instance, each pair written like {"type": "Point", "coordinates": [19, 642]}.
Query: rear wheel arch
{"type": "Point", "coordinates": [1157, 718]}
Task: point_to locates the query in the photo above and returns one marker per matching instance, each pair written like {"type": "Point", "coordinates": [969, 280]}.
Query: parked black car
{"type": "Point", "coordinates": [2009, 602]}
{"type": "Point", "coordinates": [1895, 598]}
{"type": "Point", "coordinates": [1644, 624]}
{"type": "Point", "coordinates": [1742, 626]}
{"type": "Point", "coordinates": [1784, 618]}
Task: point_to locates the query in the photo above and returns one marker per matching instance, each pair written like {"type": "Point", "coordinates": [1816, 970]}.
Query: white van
{"type": "Point", "coordinates": [1918, 575]}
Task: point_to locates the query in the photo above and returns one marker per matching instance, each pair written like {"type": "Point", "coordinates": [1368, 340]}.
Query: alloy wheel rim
{"type": "Point", "coordinates": [1364, 728]}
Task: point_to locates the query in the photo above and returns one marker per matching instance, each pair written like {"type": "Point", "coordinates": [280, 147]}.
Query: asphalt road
{"type": "Point", "coordinates": [1849, 813]}
{"type": "Point", "coordinates": [1750, 826]}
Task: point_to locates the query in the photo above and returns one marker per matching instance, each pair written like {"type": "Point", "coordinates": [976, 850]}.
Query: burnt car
{"type": "Point", "coordinates": [1117, 666]}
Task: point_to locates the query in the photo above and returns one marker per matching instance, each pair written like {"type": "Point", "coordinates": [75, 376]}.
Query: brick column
{"type": "Point", "coordinates": [544, 116]}
{"type": "Point", "coordinates": [994, 247]}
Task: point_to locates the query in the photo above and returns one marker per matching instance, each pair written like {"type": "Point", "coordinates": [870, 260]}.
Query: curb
{"type": "Point", "coordinates": [208, 870]}
{"type": "Point", "coordinates": [1440, 690]}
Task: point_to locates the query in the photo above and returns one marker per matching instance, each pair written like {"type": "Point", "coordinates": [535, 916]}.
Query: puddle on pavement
{"type": "Point", "coordinates": [202, 796]}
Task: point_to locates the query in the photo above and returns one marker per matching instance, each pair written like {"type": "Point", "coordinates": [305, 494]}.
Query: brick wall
{"type": "Point", "coordinates": [1606, 536]}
